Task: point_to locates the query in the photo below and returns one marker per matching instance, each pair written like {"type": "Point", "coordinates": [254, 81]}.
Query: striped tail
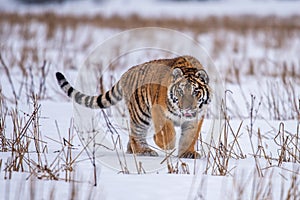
{"type": "Point", "coordinates": [110, 98]}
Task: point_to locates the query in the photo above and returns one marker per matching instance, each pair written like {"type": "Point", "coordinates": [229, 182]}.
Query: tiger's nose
{"type": "Point", "coordinates": [187, 105]}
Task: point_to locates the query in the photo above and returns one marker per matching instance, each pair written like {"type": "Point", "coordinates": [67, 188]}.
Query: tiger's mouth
{"type": "Point", "coordinates": [188, 113]}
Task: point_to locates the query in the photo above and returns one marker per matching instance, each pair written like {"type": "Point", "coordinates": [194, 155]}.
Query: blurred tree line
{"type": "Point", "coordinates": [41, 1]}
{"type": "Point", "coordinates": [61, 1]}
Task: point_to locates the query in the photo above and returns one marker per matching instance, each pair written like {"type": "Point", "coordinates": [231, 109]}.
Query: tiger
{"type": "Point", "coordinates": [164, 92]}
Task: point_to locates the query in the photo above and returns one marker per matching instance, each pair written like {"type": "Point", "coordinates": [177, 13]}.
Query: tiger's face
{"type": "Point", "coordinates": [189, 93]}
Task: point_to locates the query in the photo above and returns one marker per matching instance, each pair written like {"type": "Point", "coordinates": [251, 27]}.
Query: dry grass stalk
{"type": "Point", "coordinates": [69, 159]}
{"type": "Point", "coordinates": [179, 167]}
{"type": "Point", "coordinates": [20, 141]}
{"type": "Point", "coordinates": [218, 157]}
{"type": "Point", "coordinates": [284, 106]}
{"type": "Point", "coordinates": [138, 165]}
{"type": "Point", "coordinates": [297, 142]}
{"type": "Point", "coordinates": [8, 75]}
{"type": "Point", "coordinates": [34, 190]}
{"type": "Point", "coordinates": [28, 150]}
{"type": "Point", "coordinates": [229, 148]}
{"type": "Point", "coordinates": [64, 161]}
{"type": "Point", "coordinates": [253, 116]}
{"type": "Point", "coordinates": [261, 187]}
{"type": "Point", "coordinates": [261, 150]}
{"type": "Point", "coordinates": [298, 110]}
{"type": "Point", "coordinates": [118, 147]}
{"type": "Point", "coordinates": [4, 143]}
{"type": "Point", "coordinates": [294, 191]}
{"type": "Point", "coordinates": [220, 163]}
{"type": "Point", "coordinates": [289, 145]}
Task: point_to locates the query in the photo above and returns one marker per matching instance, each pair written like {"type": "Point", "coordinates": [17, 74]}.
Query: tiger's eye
{"type": "Point", "coordinates": [195, 92]}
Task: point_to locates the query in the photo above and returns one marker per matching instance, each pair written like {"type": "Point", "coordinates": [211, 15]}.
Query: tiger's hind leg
{"type": "Point", "coordinates": [138, 146]}
{"type": "Point", "coordinates": [140, 120]}
{"type": "Point", "coordinates": [137, 143]}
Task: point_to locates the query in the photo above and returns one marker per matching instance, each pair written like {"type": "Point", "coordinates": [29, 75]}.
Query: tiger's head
{"type": "Point", "coordinates": [189, 93]}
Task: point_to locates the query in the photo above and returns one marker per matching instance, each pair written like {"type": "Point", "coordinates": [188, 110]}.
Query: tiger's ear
{"type": "Point", "coordinates": [202, 75]}
{"type": "Point", "coordinates": [177, 73]}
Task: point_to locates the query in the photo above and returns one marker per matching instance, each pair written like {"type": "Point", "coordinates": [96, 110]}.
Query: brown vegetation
{"type": "Point", "coordinates": [241, 24]}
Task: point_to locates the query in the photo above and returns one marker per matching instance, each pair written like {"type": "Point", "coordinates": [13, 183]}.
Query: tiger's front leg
{"type": "Point", "coordinates": [190, 131]}
{"type": "Point", "coordinates": [164, 136]}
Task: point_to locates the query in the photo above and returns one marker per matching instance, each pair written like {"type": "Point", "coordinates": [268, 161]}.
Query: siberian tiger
{"type": "Point", "coordinates": [170, 92]}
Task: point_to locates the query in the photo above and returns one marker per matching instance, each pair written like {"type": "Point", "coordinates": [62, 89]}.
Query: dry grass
{"type": "Point", "coordinates": [230, 37]}
{"type": "Point", "coordinates": [228, 147]}
{"type": "Point", "coordinates": [223, 150]}
{"type": "Point", "coordinates": [288, 144]}
{"type": "Point", "coordinates": [29, 150]}
{"type": "Point", "coordinates": [284, 106]}
{"type": "Point", "coordinates": [241, 24]}
{"type": "Point", "coordinates": [275, 35]}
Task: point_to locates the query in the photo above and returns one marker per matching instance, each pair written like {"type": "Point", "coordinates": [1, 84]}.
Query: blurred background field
{"type": "Point", "coordinates": [259, 46]}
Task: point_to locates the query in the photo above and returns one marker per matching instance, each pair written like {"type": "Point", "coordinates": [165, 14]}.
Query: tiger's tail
{"type": "Point", "coordinates": [106, 100]}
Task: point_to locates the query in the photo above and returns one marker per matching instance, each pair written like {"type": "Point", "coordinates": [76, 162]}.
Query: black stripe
{"type": "Point", "coordinates": [59, 76]}
{"type": "Point", "coordinates": [86, 102]}
{"type": "Point", "coordinates": [70, 90]}
{"type": "Point", "coordinates": [99, 101]}
{"type": "Point", "coordinates": [201, 104]}
{"type": "Point", "coordinates": [118, 98]}
{"type": "Point", "coordinates": [145, 92]}
{"type": "Point", "coordinates": [107, 97]}
{"type": "Point", "coordinates": [113, 92]}
{"type": "Point", "coordinates": [138, 117]}
{"type": "Point", "coordinates": [145, 99]}
{"type": "Point", "coordinates": [147, 102]}
{"type": "Point", "coordinates": [142, 120]}
{"type": "Point", "coordinates": [207, 94]}
{"type": "Point", "coordinates": [78, 97]}
{"type": "Point", "coordinates": [64, 84]}
{"type": "Point", "coordinates": [91, 102]}
{"type": "Point", "coordinates": [138, 93]}
{"type": "Point", "coordinates": [173, 92]}
{"type": "Point", "coordinates": [138, 102]}
{"type": "Point", "coordinates": [171, 109]}
{"type": "Point", "coordinates": [140, 126]}
{"type": "Point", "coordinates": [133, 117]}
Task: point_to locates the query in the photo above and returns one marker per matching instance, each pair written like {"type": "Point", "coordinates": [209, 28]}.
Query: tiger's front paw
{"type": "Point", "coordinates": [143, 152]}
{"type": "Point", "coordinates": [147, 152]}
{"type": "Point", "coordinates": [190, 154]}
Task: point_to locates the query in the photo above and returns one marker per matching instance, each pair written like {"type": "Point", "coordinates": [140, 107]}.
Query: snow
{"type": "Point", "coordinates": [57, 111]}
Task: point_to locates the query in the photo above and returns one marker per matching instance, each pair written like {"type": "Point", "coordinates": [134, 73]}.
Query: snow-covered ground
{"type": "Point", "coordinates": [264, 160]}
